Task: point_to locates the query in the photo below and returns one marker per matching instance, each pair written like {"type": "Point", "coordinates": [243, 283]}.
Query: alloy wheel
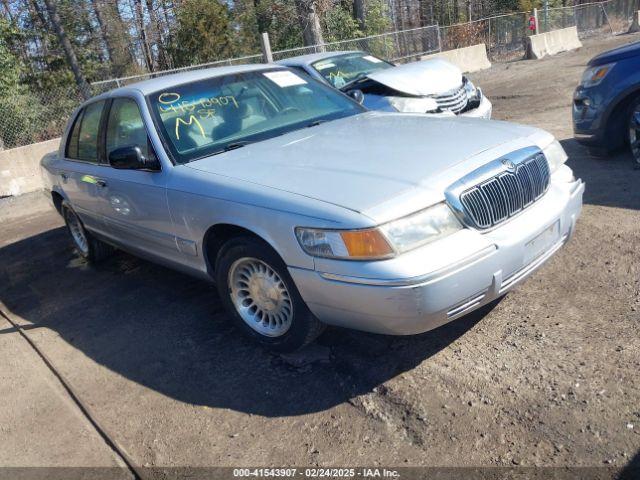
{"type": "Point", "coordinates": [77, 232]}
{"type": "Point", "coordinates": [260, 297]}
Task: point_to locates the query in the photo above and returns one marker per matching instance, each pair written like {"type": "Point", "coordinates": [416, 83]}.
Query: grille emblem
{"type": "Point", "coordinates": [509, 164]}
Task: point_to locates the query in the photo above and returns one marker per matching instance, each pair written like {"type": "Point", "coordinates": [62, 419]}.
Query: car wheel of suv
{"type": "Point", "coordinates": [87, 246]}
{"type": "Point", "coordinates": [258, 292]}
{"type": "Point", "coordinates": [634, 130]}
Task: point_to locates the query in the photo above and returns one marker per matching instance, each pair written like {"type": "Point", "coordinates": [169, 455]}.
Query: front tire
{"type": "Point", "coordinates": [633, 125]}
{"type": "Point", "coordinates": [257, 291]}
{"type": "Point", "coordinates": [86, 245]}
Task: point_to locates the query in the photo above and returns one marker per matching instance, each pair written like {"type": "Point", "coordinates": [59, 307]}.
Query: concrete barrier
{"type": "Point", "coordinates": [467, 59]}
{"type": "Point", "coordinates": [20, 167]}
{"type": "Point", "coordinates": [553, 42]}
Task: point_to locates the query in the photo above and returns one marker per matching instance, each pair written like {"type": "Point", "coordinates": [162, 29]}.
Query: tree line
{"type": "Point", "coordinates": [51, 50]}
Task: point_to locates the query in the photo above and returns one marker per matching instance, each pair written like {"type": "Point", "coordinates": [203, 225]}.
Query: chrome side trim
{"type": "Point", "coordinates": [467, 305]}
{"type": "Point", "coordinates": [420, 279]}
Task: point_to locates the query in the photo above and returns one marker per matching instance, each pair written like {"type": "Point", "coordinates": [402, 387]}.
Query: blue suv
{"type": "Point", "coordinates": [606, 104]}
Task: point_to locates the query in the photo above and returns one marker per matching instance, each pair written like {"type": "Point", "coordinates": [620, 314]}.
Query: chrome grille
{"type": "Point", "coordinates": [507, 193]}
{"type": "Point", "coordinates": [454, 101]}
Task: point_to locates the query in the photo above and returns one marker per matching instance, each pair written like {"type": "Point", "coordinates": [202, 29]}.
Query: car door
{"type": "Point", "coordinates": [80, 170]}
{"type": "Point", "coordinates": [135, 203]}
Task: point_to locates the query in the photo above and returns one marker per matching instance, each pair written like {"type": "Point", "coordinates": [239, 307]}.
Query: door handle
{"type": "Point", "coordinates": [101, 183]}
{"type": "Point", "coordinates": [64, 176]}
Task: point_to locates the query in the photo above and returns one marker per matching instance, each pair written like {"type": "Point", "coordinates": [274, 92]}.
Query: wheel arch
{"type": "Point", "coordinates": [217, 235]}
{"type": "Point", "coordinates": [615, 118]}
{"type": "Point", "coordinates": [57, 198]}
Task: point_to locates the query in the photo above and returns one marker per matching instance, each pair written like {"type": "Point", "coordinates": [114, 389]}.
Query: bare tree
{"type": "Point", "coordinates": [167, 27]}
{"type": "Point", "coordinates": [115, 34]}
{"type": "Point", "coordinates": [69, 53]}
{"type": "Point", "coordinates": [102, 23]}
{"type": "Point", "coordinates": [359, 13]}
{"type": "Point", "coordinates": [156, 31]}
{"type": "Point", "coordinates": [310, 22]}
{"type": "Point", "coordinates": [142, 33]}
{"type": "Point", "coordinates": [7, 10]}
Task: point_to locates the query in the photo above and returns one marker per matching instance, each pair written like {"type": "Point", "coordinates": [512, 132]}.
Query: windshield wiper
{"type": "Point", "coordinates": [315, 123]}
{"type": "Point", "coordinates": [227, 148]}
{"type": "Point", "coordinates": [234, 145]}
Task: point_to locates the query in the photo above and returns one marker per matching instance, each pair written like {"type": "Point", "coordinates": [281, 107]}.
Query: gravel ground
{"type": "Point", "coordinates": [546, 377]}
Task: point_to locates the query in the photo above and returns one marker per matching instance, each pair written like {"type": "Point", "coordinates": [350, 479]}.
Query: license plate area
{"type": "Point", "coordinates": [542, 242]}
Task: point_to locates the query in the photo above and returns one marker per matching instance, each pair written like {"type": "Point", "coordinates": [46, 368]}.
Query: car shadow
{"type": "Point", "coordinates": [168, 332]}
{"type": "Point", "coordinates": [610, 181]}
{"type": "Point", "coordinates": [631, 471]}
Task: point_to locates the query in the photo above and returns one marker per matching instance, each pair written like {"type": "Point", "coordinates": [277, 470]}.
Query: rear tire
{"type": "Point", "coordinates": [260, 296]}
{"type": "Point", "coordinates": [86, 245]}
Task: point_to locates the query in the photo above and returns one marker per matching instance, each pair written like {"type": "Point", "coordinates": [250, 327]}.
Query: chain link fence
{"type": "Point", "coordinates": [505, 35]}
{"type": "Point", "coordinates": [31, 115]}
{"type": "Point", "coordinates": [34, 117]}
{"type": "Point", "coordinates": [394, 46]}
{"type": "Point", "coordinates": [106, 85]}
{"type": "Point", "coordinates": [502, 34]}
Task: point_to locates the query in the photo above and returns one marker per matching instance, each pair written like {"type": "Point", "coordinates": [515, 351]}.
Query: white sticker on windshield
{"type": "Point", "coordinates": [372, 59]}
{"type": "Point", "coordinates": [322, 66]}
{"type": "Point", "coordinates": [284, 78]}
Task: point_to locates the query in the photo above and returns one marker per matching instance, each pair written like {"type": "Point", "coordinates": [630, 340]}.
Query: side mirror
{"type": "Point", "coordinates": [357, 95]}
{"type": "Point", "coordinates": [129, 158]}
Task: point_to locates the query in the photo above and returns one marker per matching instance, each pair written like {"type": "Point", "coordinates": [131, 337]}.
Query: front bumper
{"type": "Point", "coordinates": [410, 305]}
{"type": "Point", "coordinates": [483, 111]}
{"type": "Point", "coordinates": [587, 118]}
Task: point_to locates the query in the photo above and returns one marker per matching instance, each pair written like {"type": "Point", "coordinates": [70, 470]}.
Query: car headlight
{"type": "Point", "coordinates": [413, 104]}
{"type": "Point", "coordinates": [385, 241]}
{"type": "Point", "coordinates": [473, 93]}
{"type": "Point", "coordinates": [555, 155]}
{"type": "Point", "coordinates": [593, 76]}
{"type": "Point", "coordinates": [420, 228]}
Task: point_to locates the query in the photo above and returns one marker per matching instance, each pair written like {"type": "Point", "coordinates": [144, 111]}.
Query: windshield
{"type": "Point", "coordinates": [343, 69]}
{"type": "Point", "coordinates": [221, 113]}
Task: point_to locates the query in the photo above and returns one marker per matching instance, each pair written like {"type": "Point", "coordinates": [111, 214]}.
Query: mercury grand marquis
{"type": "Point", "coordinates": [306, 209]}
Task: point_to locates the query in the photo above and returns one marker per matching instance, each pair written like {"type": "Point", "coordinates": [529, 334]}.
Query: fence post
{"type": "Point", "coordinates": [386, 48]}
{"type": "Point", "coordinates": [439, 38]}
{"type": "Point", "coordinates": [267, 56]}
{"type": "Point", "coordinates": [535, 16]}
{"type": "Point", "coordinates": [489, 36]}
{"type": "Point", "coordinates": [546, 15]}
{"type": "Point", "coordinates": [606, 18]}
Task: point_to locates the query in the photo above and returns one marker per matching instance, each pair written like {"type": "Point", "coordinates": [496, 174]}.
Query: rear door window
{"type": "Point", "coordinates": [88, 133]}
{"type": "Point", "coordinates": [72, 144]}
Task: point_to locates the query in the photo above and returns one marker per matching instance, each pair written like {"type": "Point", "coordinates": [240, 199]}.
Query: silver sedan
{"type": "Point", "coordinates": [304, 208]}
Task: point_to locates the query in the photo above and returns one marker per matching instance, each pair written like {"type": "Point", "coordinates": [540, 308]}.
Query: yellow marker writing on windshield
{"type": "Point", "coordinates": [192, 119]}
{"type": "Point", "coordinates": [168, 97]}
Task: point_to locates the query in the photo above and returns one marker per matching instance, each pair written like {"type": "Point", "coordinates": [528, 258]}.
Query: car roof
{"type": "Point", "coordinates": [313, 57]}
{"type": "Point", "coordinates": [159, 83]}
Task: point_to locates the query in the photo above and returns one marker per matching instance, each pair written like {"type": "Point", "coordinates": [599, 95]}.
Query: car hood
{"type": "Point", "coordinates": [368, 160]}
{"type": "Point", "coordinates": [617, 54]}
{"type": "Point", "coordinates": [427, 77]}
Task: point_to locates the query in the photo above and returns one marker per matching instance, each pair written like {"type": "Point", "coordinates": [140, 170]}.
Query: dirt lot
{"type": "Point", "coordinates": [547, 377]}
